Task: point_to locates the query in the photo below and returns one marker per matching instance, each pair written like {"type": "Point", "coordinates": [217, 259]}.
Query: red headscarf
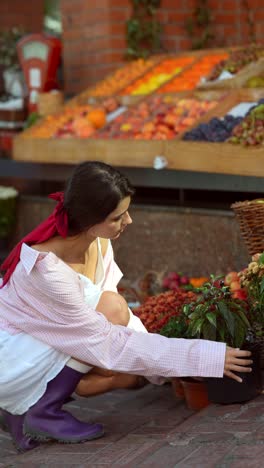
{"type": "Point", "coordinates": [56, 223]}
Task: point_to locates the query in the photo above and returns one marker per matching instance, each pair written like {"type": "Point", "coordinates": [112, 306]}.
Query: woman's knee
{"type": "Point", "coordinates": [114, 307]}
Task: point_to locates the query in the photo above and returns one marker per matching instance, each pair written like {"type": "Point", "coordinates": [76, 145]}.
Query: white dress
{"type": "Point", "coordinates": [27, 364]}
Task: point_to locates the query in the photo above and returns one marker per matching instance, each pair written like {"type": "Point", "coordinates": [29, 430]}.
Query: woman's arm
{"type": "Point", "coordinates": [50, 306]}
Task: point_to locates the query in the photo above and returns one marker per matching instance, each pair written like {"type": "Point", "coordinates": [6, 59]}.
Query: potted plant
{"type": "Point", "coordinates": [252, 280]}
{"type": "Point", "coordinates": [8, 197]}
{"type": "Point", "coordinates": [12, 74]}
{"type": "Point", "coordinates": [217, 315]}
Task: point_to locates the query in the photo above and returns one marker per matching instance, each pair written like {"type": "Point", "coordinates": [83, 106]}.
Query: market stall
{"type": "Point", "coordinates": [186, 112]}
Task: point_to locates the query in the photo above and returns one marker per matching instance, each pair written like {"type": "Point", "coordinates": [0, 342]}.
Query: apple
{"type": "Point", "coordinates": [231, 276]}
{"type": "Point", "coordinates": [184, 280]}
{"type": "Point", "coordinates": [172, 275]}
{"type": "Point", "coordinates": [174, 285]}
{"type": "Point", "coordinates": [240, 294]}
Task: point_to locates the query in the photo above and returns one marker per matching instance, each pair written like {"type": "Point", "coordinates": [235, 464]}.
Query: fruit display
{"type": "Point", "coordinates": [192, 76]}
{"type": "Point", "coordinates": [158, 118]}
{"type": "Point", "coordinates": [250, 132]}
{"type": "Point", "coordinates": [216, 130]}
{"type": "Point", "coordinates": [159, 75]}
{"type": "Point", "coordinates": [77, 121]}
{"type": "Point", "coordinates": [121, 77]}
{"type": "Point", "coordinates": [236, 61]}
{"type": "Point", "coordinates": [156, 311]}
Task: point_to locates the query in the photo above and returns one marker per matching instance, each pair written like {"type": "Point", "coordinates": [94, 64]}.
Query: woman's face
{"type": "Point", "coordinates": [115, 223]}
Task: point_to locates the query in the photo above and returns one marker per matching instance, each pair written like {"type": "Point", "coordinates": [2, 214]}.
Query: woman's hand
{"type": "Point", "coordinates": [236, 360]}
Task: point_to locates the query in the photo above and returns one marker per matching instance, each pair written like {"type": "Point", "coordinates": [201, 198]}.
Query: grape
{"type": "Point", "coordinates": [216, 130]}
{"type": "Point", "coordinates": [250, 131]}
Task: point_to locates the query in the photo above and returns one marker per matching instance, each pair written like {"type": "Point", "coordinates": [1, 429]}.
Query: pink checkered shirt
{"type": "Point", "coordinates": [45, 299]}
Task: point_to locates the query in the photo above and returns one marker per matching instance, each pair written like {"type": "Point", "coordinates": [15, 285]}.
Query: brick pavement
{"type": "Point", "coordinates": [151, 428]}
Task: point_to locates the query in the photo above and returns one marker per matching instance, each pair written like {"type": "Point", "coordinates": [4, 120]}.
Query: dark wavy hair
{"type": "Point", "coordinates": [93, 191]}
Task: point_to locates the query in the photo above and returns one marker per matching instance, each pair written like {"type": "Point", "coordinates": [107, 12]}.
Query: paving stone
{"type": "Point", "coordinates": [150, 428]}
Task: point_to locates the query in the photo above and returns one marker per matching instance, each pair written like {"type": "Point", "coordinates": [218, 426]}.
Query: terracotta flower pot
{"type": "Point", "coordinates": [177, 388]}
{"type": "Point", "coordinates": [195, 392]}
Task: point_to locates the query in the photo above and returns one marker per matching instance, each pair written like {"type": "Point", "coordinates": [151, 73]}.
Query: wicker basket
{"type": "Point", "coordinates": [250, 215]}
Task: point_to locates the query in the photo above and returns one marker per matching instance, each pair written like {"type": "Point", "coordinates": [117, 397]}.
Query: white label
{"type": "Point", "coordinates": [34, 78]}
{"type": "Point", "coordinates": [160, 162]}
{"type": "Point", "coordinates": [116, 113]}
{"type": "Point", "coordinates": [241, 109]}
{"type": "Point", "coordinates": [33, 96]}
{"type": "Point", "coordinates": [225, 75]}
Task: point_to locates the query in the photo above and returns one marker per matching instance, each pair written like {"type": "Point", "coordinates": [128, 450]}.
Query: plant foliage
{"type": "Point", "coordinates": [214, 315]}
{"type": "Point", "coordinates": [143, 30]}
{"type": "Point", "coordinates": [8, 43]}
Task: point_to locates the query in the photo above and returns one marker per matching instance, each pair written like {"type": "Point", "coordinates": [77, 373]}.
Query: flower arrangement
{"type": "Point", "coordinates": [252, 280]}
{"type": "Point", "coordinates": [8, 196]}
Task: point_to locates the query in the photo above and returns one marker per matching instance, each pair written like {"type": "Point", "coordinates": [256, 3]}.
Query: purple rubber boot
{"type": "Point", "coordinates": [13, 423]}
{"type": "Point", "coordinates": [47, 421]}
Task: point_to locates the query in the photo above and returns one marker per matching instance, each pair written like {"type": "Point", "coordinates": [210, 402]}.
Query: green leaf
{"type": "Point", "coordinates": [194, 315]}
{"type": "Point", "coordinates": [261, 259]}
{"type": "Point", "coordinates": [262, 286]}
{"type": "Point", "coordinates": [212, 318]}
{"type": "Point", "coordinates": [222, 335]}
{"type": "Point", "coordinates": [228, 317]}
{"type": "Point", "coordinates": [209, 331]}
{"type": "Point", "coordinates": [196, 327]}
{"type": "Point", "coordinates": [240, 333]}
{"type": "Point", "coordinates": [242, 316]}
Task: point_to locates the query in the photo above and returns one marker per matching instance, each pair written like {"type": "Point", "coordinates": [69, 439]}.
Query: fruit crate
{"type": "Point", "coordinates": [239, 80]}
{"type": "Point", "coordinates": [189, 57]}
{"type": "Point", "coordinates": [74, 150]}
{"type": "Point", "coordinates": [170, 114]}
{"type": "Point", "coordinates": [127, 152]}
{"type": "Point", "coordinates": [220, 158]}
{"type": "Point", "coordinates": [188, 79]}
{"type": "Point", "coordinates": [90, 92]}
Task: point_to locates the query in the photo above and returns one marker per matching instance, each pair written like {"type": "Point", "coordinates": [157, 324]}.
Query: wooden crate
{"type": "Point", "coordinates": [222, 158]}
{"type": "Point", "coordinates": [132, 153]}
{"type": "Point", "coordinates": [198, 56]}
{"type": "Point", "coordinates": [84, 96]}
{"type": "Point", "coordinates": [83, 100]}
{"type": "Point", "coordinates": [219, 158]}
{"type": "Point", "coordinates": [239, 80]}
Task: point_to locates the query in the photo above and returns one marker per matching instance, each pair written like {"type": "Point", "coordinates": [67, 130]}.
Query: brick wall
{"type": "Point", "coordinates": [94, 33]}
{"type": "Point", "coordinates": [28, 15]}
{"type": "Point", "coordinates": [93, 40]}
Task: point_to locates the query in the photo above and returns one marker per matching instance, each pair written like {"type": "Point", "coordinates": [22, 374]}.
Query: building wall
{"type": "Point", "coordinates": [93, 40]}
{"type": "Point", "coordinates": [94, 32]}
{"type": "Point", "coordinates": [94, 36]}
{"type": "Point", "coordinates": [28, 15]}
